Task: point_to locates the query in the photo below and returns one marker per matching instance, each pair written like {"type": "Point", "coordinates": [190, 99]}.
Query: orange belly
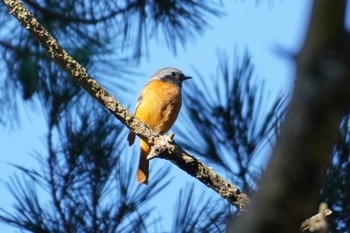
{"type": "Point", "coordinates": [158, 108]}
{"type": "Point", "coordinates": [160, 105]}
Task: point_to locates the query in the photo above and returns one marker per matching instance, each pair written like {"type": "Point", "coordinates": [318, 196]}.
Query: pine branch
{"type": "Point", "coordinates": [163, 145]}
{"type": "Point", "coordinates": [82, 20]}
{"type": "Point", "coordinates": [52, 181]}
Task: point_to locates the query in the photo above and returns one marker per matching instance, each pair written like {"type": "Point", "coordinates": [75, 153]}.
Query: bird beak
{"type": "Point", "coordinates": [185, 78]}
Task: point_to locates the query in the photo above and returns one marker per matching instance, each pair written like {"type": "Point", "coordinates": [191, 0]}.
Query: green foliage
{"type": "Point", "coordinates": [228, 123]}
{"type": "Point", "coordinates": [91, 189]}
{"type": "Point", "coordinates": [28, 76]}
{"type": "Point", "coordinates": [105, 36]}
{"type": "Point", "coordinates": [87, 184]}
{"type": "Point", "coordinates": [200, 214]}
{"type": "Point", "coordinates": [231, 120]}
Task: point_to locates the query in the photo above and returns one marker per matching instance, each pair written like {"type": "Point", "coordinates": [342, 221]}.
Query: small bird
{"type": "Point", "coordinates": [158, 105]}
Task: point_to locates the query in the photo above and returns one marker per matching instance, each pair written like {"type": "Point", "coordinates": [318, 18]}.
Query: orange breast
{"type": "Point", "coordinates": [160, 105]}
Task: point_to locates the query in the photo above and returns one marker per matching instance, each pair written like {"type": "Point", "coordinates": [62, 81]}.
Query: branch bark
{"type": "Point", "coordinates": [318, 222]}
{"type": "Point", "coordinates": [163, 145]}
{"type": "Point", "coordinates": [291, 185]}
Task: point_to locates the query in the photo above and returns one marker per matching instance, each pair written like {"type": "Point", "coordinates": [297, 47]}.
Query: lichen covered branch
{"type": "Point", "coordinates": [168, 150]}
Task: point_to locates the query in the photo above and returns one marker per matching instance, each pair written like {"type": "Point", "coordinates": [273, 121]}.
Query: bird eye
{"type": "Point", "coordinates": [173, 74]}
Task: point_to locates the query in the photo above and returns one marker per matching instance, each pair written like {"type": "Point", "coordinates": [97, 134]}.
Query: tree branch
{"type": "Point", "coordinates": [318, 222]}
{"type": "Point", "coordinates": [291, 185]}
{"type": "Point", "coordinates": [165, 146]}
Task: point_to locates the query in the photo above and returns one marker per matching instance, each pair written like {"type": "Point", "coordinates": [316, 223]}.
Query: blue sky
{"type": "Point", "coordinates": [260, 28]}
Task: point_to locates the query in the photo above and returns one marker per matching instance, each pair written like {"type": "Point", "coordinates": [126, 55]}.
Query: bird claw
{"type": "Point", "coordinates": [160, 145]}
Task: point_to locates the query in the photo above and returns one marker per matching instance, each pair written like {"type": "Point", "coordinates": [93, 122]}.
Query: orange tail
{"type": "Point", "coordinates": [142, 171]}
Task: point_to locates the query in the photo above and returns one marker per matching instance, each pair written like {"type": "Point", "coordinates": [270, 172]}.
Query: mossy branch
{"type": "Point", "coordinates": [163, 146]}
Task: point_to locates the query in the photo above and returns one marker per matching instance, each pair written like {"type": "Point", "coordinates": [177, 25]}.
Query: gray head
{"type": "Point", "coordinates": [170, 75]}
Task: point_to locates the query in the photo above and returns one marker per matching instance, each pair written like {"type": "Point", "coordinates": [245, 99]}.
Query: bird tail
{"type": "Point", "coordinates": [143, 169]}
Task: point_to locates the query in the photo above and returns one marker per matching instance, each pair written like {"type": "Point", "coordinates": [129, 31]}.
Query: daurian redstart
{"type": "Point", "coordinates": [158, 105]}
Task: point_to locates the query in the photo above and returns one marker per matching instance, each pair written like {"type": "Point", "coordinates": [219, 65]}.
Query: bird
{"type": "Point", "coordinates": [158, 106]}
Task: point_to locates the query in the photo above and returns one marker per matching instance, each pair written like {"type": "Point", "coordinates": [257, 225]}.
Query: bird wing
{"type": "Point", "coordinates": [131, 136]}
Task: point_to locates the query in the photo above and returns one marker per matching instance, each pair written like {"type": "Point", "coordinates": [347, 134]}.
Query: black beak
{"type": "Point", "coordinates": [185, 78]}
